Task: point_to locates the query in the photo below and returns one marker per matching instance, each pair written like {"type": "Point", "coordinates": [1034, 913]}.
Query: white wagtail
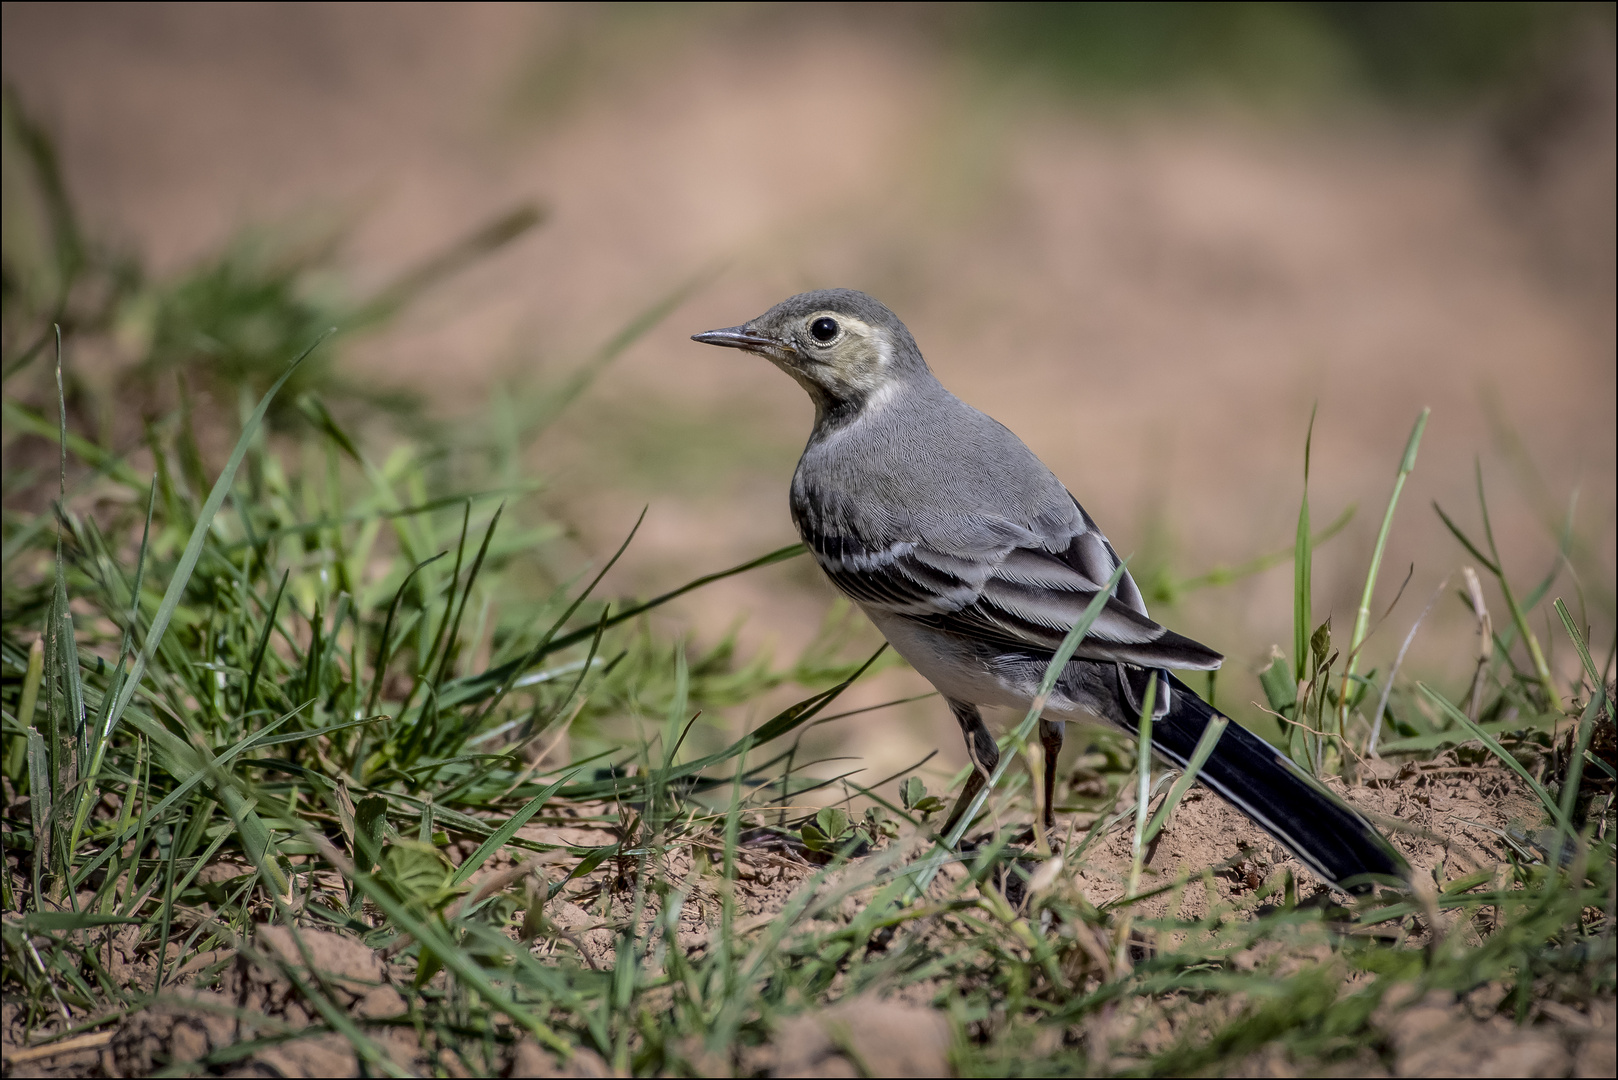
{"type": "Point", "coordinates": [975, 562]}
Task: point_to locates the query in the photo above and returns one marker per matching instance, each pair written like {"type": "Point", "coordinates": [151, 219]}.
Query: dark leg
{"type": "Point", "coordinates": [981, 749]}
{"type": "Point", "coordinates": [1050, 737]}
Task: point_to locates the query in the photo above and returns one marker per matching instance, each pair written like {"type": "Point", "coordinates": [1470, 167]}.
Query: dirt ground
{"type": "Point", "coordinates": [1454, 819]}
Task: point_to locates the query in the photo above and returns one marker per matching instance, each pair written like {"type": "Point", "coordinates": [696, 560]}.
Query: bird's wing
{"type": "Point", "coordinates": [1024, 593]}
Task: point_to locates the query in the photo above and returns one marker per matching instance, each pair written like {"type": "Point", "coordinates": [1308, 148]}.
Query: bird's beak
{"type": "Point", "coordinates": [739, 337]}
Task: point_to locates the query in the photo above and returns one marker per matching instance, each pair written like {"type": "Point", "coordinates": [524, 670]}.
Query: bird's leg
{"type": "Point", "coordinates": [1050, 737]}
{"type": "Point", "coordinates": [974, 783]}
{"type": "Point", "coordinates": [980, 747]}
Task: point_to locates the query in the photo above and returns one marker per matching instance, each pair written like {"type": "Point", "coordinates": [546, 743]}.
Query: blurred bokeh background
{"type": "Point", "coordinates": [1149, 238]}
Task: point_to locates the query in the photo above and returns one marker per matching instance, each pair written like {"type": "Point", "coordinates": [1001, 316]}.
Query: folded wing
{"type": "Point", "coordinates": [1019, 595]}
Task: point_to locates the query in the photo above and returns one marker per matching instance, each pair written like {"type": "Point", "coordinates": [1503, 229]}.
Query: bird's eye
{"type": "Point", "coordinates": [824, 329]}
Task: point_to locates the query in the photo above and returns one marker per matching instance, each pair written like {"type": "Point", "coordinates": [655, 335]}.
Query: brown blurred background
{"type": "Point", "coordinates": [1148, 238]}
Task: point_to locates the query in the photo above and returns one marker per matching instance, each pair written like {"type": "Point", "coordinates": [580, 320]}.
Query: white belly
{"type": "Point", "coordinates": [953, 667]}
{"type": "Point", "coordinates": [964, 674]}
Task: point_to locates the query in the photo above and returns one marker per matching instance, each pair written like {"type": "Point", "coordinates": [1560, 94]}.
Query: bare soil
{"type": "Point", "coordinates": [1454, 819]}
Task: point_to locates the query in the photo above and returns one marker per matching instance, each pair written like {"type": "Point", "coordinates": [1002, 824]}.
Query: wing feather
{"type": "Point", "coordinates": [1019, 597]}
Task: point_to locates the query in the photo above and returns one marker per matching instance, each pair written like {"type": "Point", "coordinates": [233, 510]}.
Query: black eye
{"type": "Point", "coordinates": [823, 329]}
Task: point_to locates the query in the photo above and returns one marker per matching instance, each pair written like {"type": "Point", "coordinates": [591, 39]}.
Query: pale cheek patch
{"type": "Point", "coordinates": [865, 371]}
{"type": "Point", "coordinates": [877, 373]}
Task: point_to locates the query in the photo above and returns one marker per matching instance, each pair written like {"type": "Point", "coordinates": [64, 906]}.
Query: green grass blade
{"type": "Point", "coordinates": [791, 551]}
{"type": "Point", "coordinates": [1551, 805]}
{"type": "Point", "coordinates": [315, 526]}
{"type": "Point", "coordinates": [1518, 616]}
{"type": "Point", "coordinates": [1362, 617]}
{"type": "Point", "coordinates": [1143, 781]}
{"type": "Point", "coordinates": [262, 740]}
{"type": "Point", "coordinates": [1199, 758]}
{"type": "Point", "coordinates": [1466, 541]}
{"type": "Point", "coordinates": [317, 413]}
{"type": "Point", "coordinates": [186, 764]}
{"type": "Point", "coordinates": [205, 859]}
{"type": "Point", "coordinates": [263, 644]}
{"type": "Point", "coordinates": [791, 718]}
{"type": "Point", "coordinates": [1053, 671]}
{"type": "Point", "coordinates": [1105, 819]}
{"type": "Point", "coordinates": [944, 851]}
{"type": "Point", "coordinates": [1575, 768]}
{"type": "Point", "coordinates": [1227, 575]}
{"type": "Point", "coordinates": [66, 648]}
{"type": "Point", "coordinates": [199, 538]}
{"type": "Point", "coordinates": [1580, 645]}
{"type": "Point", "coordinates": [675, 717]}
{"type": "Point", "coordinates": [126, 647]}
{"type": "Point", "coordinates": [486, 239]}
{"type": "Point", "coordinates": [166, 911]}
{"type": "Point", "coordinates": [466, 595]}
{"type": "Point", "coordinates": [28, 420]}
{"type": "Point", "coordinates": [385, 645]}
{"type": "Point", "coordinates": [431, 652]}
{"type": "Point", "coordinates": [505, 832]}
{"type": "Point", "coordinates": [500, 679]}
{"type": "Point", "coordinates": [1143, 799]}
{"type": "Point", "coordinates": [40, 803]}
{"type": "Point", "coordinates": [33, 674]}
{"type": "Point", "coordinates": [1539, 592]}
{"type": "Point", "coordinates": [782, 723]}
{"type": "Point", "coordinates": [591, 369]}
{"type": "Point", "coordinates": [1303, 568]}
{"type": "Point", "coordinates": [70, 920]}
{"type": "Point", "coordinates": [1434, 740]}
{"type": "Point", "coordinates": [62, 659]}
{"type": "Point", "coordinates": [1586, 728]}
{"type": "Point", "coordinates": [453, 957]}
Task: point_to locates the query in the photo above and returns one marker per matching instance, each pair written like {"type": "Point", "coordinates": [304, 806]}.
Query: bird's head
{"type": "Point", "coordinates": [841, 346]}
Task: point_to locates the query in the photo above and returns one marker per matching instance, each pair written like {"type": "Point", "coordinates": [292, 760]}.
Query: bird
{"type": "Point", "coordinates": [975, 562]}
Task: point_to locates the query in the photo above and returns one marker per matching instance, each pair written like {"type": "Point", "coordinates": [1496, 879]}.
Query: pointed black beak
{"type": "Point", "coordinates": [738, 337]}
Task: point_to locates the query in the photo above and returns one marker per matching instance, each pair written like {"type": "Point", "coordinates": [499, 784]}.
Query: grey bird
{"type": "Point", "coordinates": [975, 562]}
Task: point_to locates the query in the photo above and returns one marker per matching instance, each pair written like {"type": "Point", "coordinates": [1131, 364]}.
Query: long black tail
{"type": "Point", "coordinates": [1323, 831]}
